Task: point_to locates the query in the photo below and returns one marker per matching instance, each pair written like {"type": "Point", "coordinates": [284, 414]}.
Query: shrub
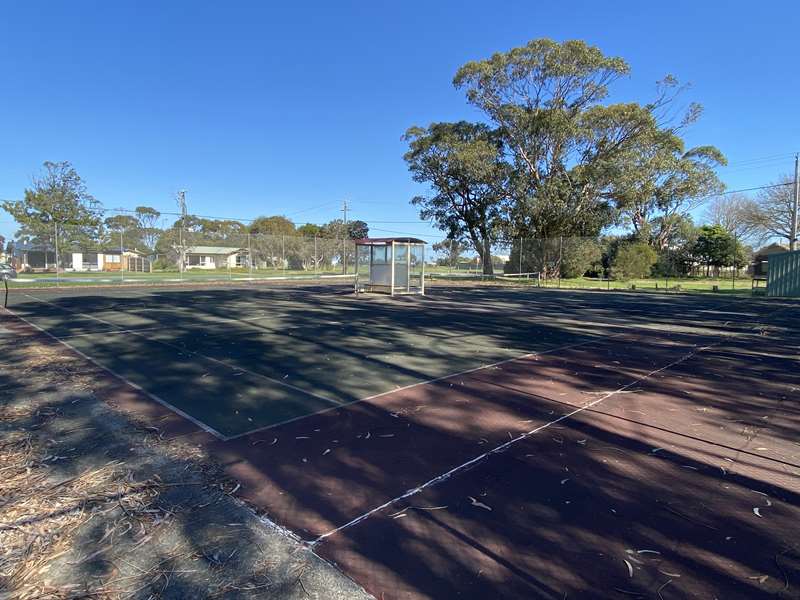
{"type": "Point", "coordinates": [673, 263]}
{"type": "Point", "coordinates": [294, 262]}
{"type": "Point", "coordinates": [163, 264]}
{"type": "Point", "coordinates": [633, 260]}
{"type": "Point", "coordinates": [579, 255]}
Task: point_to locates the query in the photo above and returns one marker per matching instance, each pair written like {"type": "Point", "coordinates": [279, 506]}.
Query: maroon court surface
{"type": "Point", "coordinates": [656, 457]}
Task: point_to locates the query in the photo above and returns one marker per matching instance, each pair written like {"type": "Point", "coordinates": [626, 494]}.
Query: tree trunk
{"type": "Point", "coordinates": [488, 266]}
{"type": "Point", "coordinates": [483, 245]}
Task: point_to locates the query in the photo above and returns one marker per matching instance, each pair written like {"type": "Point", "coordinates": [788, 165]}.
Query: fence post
{"type": "Point", "coordinates": [316, 274]}
{"type": "Point", "coordinates": [250, 254]}
{"type": "Point", "coordinates": [520, 257]}
{"type": "Point", "coordinates": [450, 259]}
{"type": "Point", "coordinates": [544, 262]}
{"type": "Point", "coordinates": [733, 287]}
{"type": "Point", "coordinates": [560, 257]}
{"type": "Point", "coordinates": [122, 254]}
{"type": "Point", "coordinates": [55, 244]}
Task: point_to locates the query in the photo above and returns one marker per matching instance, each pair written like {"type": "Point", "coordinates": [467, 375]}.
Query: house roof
{"type": "Point", "coordinates": [770, 249]}
{"type": "Point", "coordinates": [212, 250]}
{"type": "Point", "coordinates": [117, 251]}
{"type": "Point", "coordinates": [32, 247]}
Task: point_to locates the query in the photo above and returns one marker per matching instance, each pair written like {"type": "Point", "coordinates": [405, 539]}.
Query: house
{"type": "Point", "coordinates": [30, 257]}
{"type": "Point", "coordinates": [41, 257]}
{"type": "Point", "coordinates": [106, 260]}
{"type": "Point", "coordinates": [216, 257]}
{"type": "Point", "coordinates": [760, 265]}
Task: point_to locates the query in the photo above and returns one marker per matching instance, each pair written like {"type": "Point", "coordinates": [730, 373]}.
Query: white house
{"type": "Point", "coordinates": [215, 257]}
{"type": "Point", "coordinates": [107, 260]}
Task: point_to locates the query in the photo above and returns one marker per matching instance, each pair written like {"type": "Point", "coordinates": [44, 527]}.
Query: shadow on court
{"type": "Point", "coordinates": [649, 491]}
{"type": "Point", "coordinates": [94, 504]}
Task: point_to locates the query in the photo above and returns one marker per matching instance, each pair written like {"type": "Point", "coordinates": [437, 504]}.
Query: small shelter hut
{"type": "Point", "coordinates": [393, 265]}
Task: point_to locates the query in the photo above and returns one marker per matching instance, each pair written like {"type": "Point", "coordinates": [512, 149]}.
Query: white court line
{"type": "Point", "coordinates": [198, 354]}
{"type": "Point", "coordinates": [429, 381]}
{"type": "Point", "coordinates": [114, 332]}
{"type": "Point", "coordinates": [504, 446]}
{"type": "Point", "coordinates": [162, 402]}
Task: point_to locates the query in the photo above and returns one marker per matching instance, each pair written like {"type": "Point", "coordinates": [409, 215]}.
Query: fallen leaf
{"type": "Point", "coordinates": [630, 568]}
{"type": "Point", "coordinates": [669, 574]}
{"type": "Point", "coordinates": [479, 504]}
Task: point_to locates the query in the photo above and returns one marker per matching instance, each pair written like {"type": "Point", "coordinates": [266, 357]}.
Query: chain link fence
{"type": "Point", "coordinates": [180, 254]}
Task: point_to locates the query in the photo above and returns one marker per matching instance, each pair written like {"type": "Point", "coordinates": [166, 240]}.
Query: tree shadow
{"type": "Point", "coordinates": [645, 470]}
{"type": "Point", "coordinates": [96, 503]}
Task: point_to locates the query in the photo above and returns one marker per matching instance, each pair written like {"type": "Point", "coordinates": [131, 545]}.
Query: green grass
{"type": "Point", "coordinates": [191, 275]}
{"type": "Point", "coordinates": [683, 284]}
{"type": "Point", "coordinates": [742, 285]}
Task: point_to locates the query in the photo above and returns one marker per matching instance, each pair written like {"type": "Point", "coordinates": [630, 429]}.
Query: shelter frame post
{"type": "Point", "coordinates": [422, 279]}
{"type": "Point", "coordinates": [391, 279]}
{"type": "Point", "coordinates": [408, 267]}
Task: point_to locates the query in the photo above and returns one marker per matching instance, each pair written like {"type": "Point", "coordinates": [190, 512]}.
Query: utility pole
{"type": "Point", "coordinates": [182, 205]}
{"type": "Point", "coordinates": [344, 239]}
{"type": "Point", "coordinates": [793, 239]}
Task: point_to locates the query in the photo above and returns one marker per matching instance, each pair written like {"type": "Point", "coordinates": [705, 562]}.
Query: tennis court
{"type": "Point", "coordinates": [480, 442]}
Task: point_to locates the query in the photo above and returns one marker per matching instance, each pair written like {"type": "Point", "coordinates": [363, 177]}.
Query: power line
{"type": "Point", "coordinates": [312, 208]}
{"type": "Point", "coordinates": [771, 158]}
{"type": "Point", "coordinates": [752, 189]}
{"type": "Point", "coordinates": [295, 223]}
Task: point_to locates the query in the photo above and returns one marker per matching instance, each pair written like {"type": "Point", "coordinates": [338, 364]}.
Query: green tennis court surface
{"type": "Point", "coordinates": [239, 359]}
{"type": "Point", "coordinates": [244, 358]}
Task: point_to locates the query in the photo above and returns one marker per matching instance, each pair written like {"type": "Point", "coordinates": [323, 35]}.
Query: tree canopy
{"type": "Point", "coordinates": [738, 214]}
{"type": "Point", "coordinates": [775, 204]}
{"type": "Point", "coordinates": [547, 99]}
{"type": "Point", "coordinates": [463, 164]}
{"type": "Point", "coordinates": [58, 201]}
{"type": "Point", "coordinates": [336, 229]}
{"type": "Point", "coordinates": [555, 158]}
{"type": "Point", "coordinates": [716, 247]}
{"type": "Point", "coordinates": [275, 225]}
{"type": "Point", "coordinates": [657, 183]}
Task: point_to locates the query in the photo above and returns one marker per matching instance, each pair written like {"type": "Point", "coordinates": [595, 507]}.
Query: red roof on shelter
{"type": "Point", "coordinates": [388, 240]}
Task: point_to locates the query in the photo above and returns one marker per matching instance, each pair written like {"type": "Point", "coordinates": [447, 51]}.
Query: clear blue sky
{"type": "Point", "coordinates": [261, 108]}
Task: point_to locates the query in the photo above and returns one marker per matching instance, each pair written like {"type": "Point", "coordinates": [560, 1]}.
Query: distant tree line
{"type": "Point", "coordinates": [58, 208]}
